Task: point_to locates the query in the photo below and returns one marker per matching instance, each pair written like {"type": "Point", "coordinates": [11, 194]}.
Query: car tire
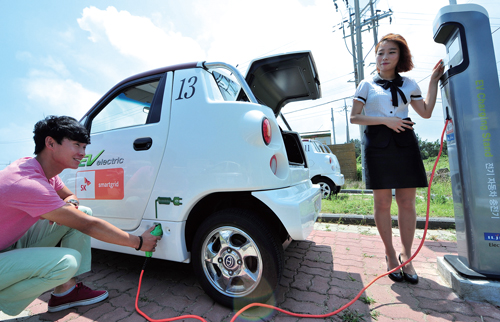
{"type": "Point", "coordinates": [237, 258]}
{"type": "Point", "coordinates": [328, 188]}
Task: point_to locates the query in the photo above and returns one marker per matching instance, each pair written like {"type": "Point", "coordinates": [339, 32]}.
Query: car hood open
{"type": "Point", "coordinates": [281, 79]}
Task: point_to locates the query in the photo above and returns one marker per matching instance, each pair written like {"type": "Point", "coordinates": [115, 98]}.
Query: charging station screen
{"type": "Point", "coordinates": [455, 55]}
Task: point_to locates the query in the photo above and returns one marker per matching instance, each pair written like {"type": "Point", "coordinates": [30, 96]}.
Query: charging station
{"type": "Point", "coordinates": [471, 100]}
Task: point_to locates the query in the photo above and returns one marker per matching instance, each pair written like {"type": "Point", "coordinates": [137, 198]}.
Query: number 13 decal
{"type": "Point", "coordinates": [189, 92]}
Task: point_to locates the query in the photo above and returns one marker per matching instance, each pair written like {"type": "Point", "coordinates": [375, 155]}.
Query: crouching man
{"type": "Point", "coordinates": [38, 212]}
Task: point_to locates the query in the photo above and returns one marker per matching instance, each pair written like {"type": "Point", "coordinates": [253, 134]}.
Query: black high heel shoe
{"type": "Point", "coordinates": [411, 278]}
{"type": "Point", "coordinates": [395, 277]}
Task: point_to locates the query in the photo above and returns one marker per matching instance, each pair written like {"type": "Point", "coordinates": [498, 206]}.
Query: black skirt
{"type": "Point", "coordinates": [392, 160]}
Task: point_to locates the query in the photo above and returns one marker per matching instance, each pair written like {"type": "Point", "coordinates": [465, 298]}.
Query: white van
{"type": "Point", "coordinates": [196, 148]}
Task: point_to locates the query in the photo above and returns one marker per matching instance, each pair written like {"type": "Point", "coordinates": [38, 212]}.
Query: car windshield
{"type": "Point", "coordinates": [228, 87]}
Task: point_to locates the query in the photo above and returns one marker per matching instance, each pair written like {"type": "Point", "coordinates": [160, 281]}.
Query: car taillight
{"type": "Point", "coordinates": [266, 131]}
{"type": "Point", "coordinates": [330, 160]}
{"type": "Point", "coordinates": [273, 164]}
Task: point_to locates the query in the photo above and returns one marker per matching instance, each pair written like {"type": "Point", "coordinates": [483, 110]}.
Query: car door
{"type": "Point", "coordinates": [129, 129]}
{"type": "Point", "coordinates": [280, 79]}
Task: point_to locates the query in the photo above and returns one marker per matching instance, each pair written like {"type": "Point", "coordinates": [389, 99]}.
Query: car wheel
{"type": "Point", "coordinates": [238, 260]}
{"type": "Point", "coordinates": [328, 188]}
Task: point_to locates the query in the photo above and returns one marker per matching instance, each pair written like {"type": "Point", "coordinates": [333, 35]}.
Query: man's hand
{"type": "Point", "coordinates": [97, 228]}
{"type": "Point", "coordinates": [149, 242]}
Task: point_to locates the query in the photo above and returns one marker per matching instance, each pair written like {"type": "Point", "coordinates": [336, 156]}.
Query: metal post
{"type": "Point", "coordinates": [374, 23]}
{"type": "Point", "coordinates": [361, 76]}
{"type": "Point", "coordinates": [332, 139]}
{"type": "Point", "coordinates": [346, 123]}
{"type": "Point", "coordinates": [354, 60]}
{"type": "Point", "coordinates": [359, 42]}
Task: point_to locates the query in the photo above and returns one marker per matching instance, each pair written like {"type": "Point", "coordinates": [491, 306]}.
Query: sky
{"type": "Point", "coordinates": [59, 57]}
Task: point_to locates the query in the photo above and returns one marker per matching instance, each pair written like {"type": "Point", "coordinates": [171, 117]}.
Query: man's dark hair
{"type": "Point", "coordinates": [59, 127]}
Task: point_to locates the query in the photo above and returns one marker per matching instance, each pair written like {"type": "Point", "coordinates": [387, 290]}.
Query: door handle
{"type": "Point", "coordinates": [142, 144]}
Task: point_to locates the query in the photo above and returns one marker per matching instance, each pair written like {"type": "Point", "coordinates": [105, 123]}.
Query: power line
{"type": "Point", "coordinates": [306, 108]}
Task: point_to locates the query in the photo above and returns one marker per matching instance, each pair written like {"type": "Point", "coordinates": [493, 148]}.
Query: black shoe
{"type": "Point", "coordinates": [395, 277]}
{"type": "Point", "coordinates": [411, 278]}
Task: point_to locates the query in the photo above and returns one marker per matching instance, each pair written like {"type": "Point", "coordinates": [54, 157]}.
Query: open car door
{"type": "Point", "coordinates": [281, 79]}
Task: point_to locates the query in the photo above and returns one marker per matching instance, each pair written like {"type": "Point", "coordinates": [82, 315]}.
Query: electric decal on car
{"type": "Point", "coordinates": [88, 160]}
{"type": "Point", "coordinates": [105, 184]}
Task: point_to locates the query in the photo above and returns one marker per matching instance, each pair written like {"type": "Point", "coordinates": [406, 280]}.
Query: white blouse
{"type": "Point", "coordinates": [378, 101]}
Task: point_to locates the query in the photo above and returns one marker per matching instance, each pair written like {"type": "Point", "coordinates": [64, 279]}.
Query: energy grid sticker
{"type": "Point", "coordinates": [102, 184]}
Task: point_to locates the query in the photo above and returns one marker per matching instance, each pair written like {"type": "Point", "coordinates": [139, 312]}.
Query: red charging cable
{"type": "Point", "coordinates": [161, 320]}
{"type": "Point", "coordinates": [317, 316]}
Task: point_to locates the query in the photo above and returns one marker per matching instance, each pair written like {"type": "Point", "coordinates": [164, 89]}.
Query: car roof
{"type": "Point", "coordinates": [157, 71]}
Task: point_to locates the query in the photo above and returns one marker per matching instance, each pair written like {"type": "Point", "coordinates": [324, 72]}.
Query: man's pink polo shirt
{"type": "Point", "coordinates": [25, 195]}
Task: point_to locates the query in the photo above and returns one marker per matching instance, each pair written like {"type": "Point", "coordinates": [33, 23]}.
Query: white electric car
{"type": "Point", "coordinates": [324, 167]}
{"type": "Point", "coordinates": [231, 199]}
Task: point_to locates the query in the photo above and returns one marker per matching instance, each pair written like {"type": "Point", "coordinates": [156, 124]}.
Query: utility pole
{"type": "Point", "coordinates": [332, 139]}
{"type": "Point", "coordinates": [374, 24]}
{"type": "Point", "coordinates": [346, 124]}
{"type": "Point", "coordinates": [353, 44]}
{"type": "Point", "coordinates": [356, 28]}
{"type": "Point", "coordinates": [359, 43]}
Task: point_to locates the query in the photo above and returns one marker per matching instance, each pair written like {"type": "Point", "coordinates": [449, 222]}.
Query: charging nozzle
{"type": "Point", "coordinates": [448, 117]}
{"type": "Point", "coordinates": [155, 232]}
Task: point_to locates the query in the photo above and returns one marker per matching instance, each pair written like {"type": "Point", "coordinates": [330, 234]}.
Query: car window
{"type": "Point", "coordinates": [227, 87]}
{"type": "Point", "coordinates": [128, 108]}
{"type": "Point", "coordinates": [327, 149]}
{"type": "Point", "coordinates": [316, 147]}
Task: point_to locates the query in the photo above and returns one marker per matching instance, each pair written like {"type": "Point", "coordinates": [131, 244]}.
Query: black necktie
{"type": "Point", "coordinates": [394, 86]}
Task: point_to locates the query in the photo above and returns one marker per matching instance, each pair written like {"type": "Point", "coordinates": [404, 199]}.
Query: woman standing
{"type": "Point", "coordinates": [392, 155]}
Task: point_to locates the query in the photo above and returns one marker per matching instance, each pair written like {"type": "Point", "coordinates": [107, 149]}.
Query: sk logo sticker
{"type": "Point", "coordinates": [83, 187]}
{"type": "Point", "coordinates": [105, 184]}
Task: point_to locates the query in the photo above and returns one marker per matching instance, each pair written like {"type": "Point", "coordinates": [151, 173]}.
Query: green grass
{"type": "Point", "coordinates": [367, 300]}
{"type": "Point", "coordinates": [351, 316]}
{"type": "Point", "coordinates": [362, 204]}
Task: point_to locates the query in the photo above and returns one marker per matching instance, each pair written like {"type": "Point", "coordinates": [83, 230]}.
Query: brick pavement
{"type": "Point", "coordinates": [321, 274]}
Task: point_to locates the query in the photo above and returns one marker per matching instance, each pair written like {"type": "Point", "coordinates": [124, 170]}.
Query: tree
{"type": "Point", "coordinates": [357, 147]}
{"type": "Point", "coordinates": [427, 149]}
{"type": "Point", "coordinates": [431, 149]}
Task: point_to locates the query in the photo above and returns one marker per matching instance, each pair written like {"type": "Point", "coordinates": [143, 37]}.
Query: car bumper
{"type": "Point", "coordinates": [338, 179]}
{"type": "Point", "coordinates": [297, 207]}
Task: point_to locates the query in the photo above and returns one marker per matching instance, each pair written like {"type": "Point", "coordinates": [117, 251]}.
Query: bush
{"type": "Point", "coordinates": [427, 149]}
{"type": "Point", "coordinates": [359, 169]}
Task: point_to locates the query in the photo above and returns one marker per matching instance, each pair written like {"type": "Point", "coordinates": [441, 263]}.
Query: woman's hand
{"type": "Point", "coordinates": [437, 71]}
{"type": "Point", "coordinates": [398, 125]}
{"type": "Point", "coordinates": [425, 107]}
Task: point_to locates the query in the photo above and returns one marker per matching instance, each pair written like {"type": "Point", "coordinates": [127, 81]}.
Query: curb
{"type": "Point", "coordinates": [366, 191]}
{"type": "Point", "coordinates": [351, 219]}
